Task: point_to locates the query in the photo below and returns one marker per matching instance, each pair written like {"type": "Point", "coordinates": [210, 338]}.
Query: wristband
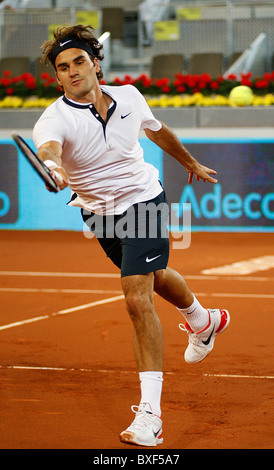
{"type": "Point", "coordinates": [50, 164]}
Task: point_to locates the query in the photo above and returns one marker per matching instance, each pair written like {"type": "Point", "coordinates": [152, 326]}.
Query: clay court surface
{"type": "Point", "coordinates": [67, 370]}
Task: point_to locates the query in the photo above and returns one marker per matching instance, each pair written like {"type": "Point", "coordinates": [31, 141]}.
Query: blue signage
{"type": "Point", "coordinates": [8, 184]}
{"type": "Point", "coordinates": [242, 200]}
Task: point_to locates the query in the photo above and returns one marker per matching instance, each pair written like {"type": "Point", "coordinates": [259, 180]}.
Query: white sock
{"type": "Point", "coordinates": [151, 389]}
{"type": "Point", "coordinates": [196, 316]}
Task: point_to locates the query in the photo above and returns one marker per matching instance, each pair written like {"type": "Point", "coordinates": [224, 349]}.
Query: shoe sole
{"type": "Point", "coordinates": [221, 328]}
{"type": "Point", "coordinates": [130, 438]}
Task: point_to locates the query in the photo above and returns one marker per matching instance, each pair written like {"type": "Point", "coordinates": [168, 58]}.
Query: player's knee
{"type": "Point", "coordinates": [137, 305]}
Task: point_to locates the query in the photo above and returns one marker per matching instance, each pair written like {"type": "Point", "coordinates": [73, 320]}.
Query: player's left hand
{"type": "Point", "coordinates": [201, 172]}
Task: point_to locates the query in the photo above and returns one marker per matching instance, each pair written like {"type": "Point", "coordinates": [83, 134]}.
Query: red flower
{"type": "Point", "coordinates": [246, 75]}
{"type": "Point", "coordinates": [181, 88]}
{"type": "Point", "coordinates": [15, 79]}
{"type": "Point", "coordinates": [118, 81]}
{"type": "Point", "coordinates": [26, 76]}
{"type": "Point", "coordinates": [146, 81]}
{"type": "Point", "coordinates": [128, 80]}
{"type": "Point", "coordinates": [232, 77]}
{"type": "Point", "coordinates": [214, 85]}
{"type": "Point", "coordinates": [5, 82]}
{"type": "Point", "coordinates": [246, 79]}
{"type": "Point", "coordinates": [192, 80]}
{"type": "Point", "coordinates": [9, 91]}
{"type": "Point", "coordinates": [262, 83]}
{"type": "Point", "coordinates": [205, 78]}
{"type": "Point", "coordinates": [45, 76]}
{"type": "Point", "coordinates": [246, 82]}
{"type": "Point", "coordinates": [268, 76]}
{"type": "Point", "coordinates": [166, 89]}
{"type": "Point", "coordinates": [162, 82]}
{"type": "Point", "coordinates": [202, 85]}
{"type": "Point", "coordinates": [30, 83]}
{"type": "Point", "coordinates": [7, 73]}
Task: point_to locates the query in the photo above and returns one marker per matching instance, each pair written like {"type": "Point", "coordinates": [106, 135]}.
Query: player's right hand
{"type": "Point", "coordinates": [60, 177]}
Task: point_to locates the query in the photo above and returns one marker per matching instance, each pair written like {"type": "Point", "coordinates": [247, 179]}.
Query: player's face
{"type": "Point", "coordinates": [76, 73]}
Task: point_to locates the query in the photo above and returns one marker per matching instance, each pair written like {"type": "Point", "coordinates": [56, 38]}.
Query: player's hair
{"type": "Point", "coordinates": [84, 33]}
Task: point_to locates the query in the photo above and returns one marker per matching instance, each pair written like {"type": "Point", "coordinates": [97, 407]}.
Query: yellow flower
{"type": "Point", "coordinates": [207, 101]}
{"type": "Point", "coordinates": [197, 99]}
{"type": "Point", "coordinates": [268, 99]}
{"type": "Point", "coordinates": [257, 101]}
{"type": "Point", "coordinates": [38, 103]}
{"type": "Point", "coordinates": [177, 101]}
{"type": "Point", "coordinates": [153, 102]}
{"type": "Point", "coordinates": [221, 100]}
{"type": "Point", "coordinates": [11, 102]}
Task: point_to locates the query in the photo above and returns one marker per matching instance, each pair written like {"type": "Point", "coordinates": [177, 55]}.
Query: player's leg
{"type": "Point", "coordinates": [202, 325]}
{"type": "Point", "coordinates": [146, 428]}
{"type": "Point", "coordinates": [148, 335]}
{"type": "Point", "coordinates": [170, 285]}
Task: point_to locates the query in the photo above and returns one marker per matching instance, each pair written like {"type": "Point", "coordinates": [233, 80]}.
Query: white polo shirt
{"type": "Point", "coordinates": [103, 160]}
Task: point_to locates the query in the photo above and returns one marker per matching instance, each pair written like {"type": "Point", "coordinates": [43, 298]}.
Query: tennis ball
{"type": "Point", "coordinates": [241, 95]}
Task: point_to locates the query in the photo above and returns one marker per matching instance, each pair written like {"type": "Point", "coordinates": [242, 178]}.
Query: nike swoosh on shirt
{"type": "Point", "coordinates": [125, 115]}
{"type": "Point", "coordinates": [206, 342]}
{"type": "Point", "coordinates": [148, 260]}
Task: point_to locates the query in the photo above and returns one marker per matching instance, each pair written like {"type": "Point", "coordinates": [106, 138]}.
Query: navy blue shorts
{"type": "Point", "coordinates": [136, 241]}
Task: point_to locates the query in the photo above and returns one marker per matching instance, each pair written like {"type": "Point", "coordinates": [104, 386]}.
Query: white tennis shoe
{"type": "Point", "coordinates": [201, 344]}
{"type": "Point", "coordinates": [145, 430]}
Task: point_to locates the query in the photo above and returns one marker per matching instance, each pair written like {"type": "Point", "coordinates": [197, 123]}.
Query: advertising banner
{"type": "Point", "coordinates": [242, 200]}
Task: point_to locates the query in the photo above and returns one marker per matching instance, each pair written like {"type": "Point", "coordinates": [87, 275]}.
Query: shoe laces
{"type": "Point", "coordinates": [182, 327]}
{"type": "Point", "coordinates": [192, 337]}
{"type": "Point", "coordinates": [141, 417]}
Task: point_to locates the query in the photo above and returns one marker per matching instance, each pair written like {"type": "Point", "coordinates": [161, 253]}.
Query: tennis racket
{"type": "Point", "coordinates": [41, 169]}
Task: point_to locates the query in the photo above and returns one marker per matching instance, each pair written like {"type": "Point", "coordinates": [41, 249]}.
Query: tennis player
{"type": "Point", "coordinates": [90, 137]}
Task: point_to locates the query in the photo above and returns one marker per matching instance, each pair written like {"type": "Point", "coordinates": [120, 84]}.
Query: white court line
{"type": "Point", "coordinates": [92, 291]}
{"type": "Point", "coordinates": [111, 275]}
{"type": "Point", "coordinates": [57, 274]}
{"type": "Point", "coordinates": [238, 295]}
{"type": "Point", "coordinates": [62, 312]}
{"type": "Point", "coordinates": [235, 376]}
{"type": "Point", "coordinates": [261, 263]}
{"type": "Point", "coordinates": [58, 291]}
{"type": "Point", "coordinates": [72, 369]}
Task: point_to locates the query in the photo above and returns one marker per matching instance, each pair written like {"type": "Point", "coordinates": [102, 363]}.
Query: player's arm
{"type": "Point", "coordinates": [50, 153]}
{"type": "Point", "coordinates": [167, 140]}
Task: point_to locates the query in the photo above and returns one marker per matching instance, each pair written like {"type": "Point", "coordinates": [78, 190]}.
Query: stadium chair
{"type": "Point", "coordinates": [113, 21]}
{"type": "Point", "coordinates": [166, 65]}
{"type": "Point", "coordinates": [42, 68]}
{"type": "Point", "coordinates": [16, 65]}
{"type": "Point", "coordinates": [211, 63]}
